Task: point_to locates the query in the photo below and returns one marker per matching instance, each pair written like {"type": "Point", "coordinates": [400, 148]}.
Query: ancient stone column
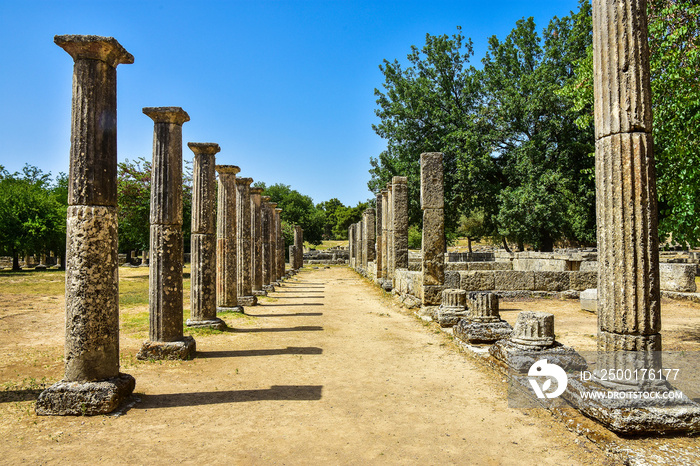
{"type": "Point", "coordinates": [386, 216]}
{"type": "Point", "coordinates": [243, 244]}
{"type": "Point", "coordinates": [256, 216]}
{"type": "Point", "coordinates": [92, 383]}
{"type": "Point", "coordinates": [369, 239]}
{"type": "Point", "coordinates": [266, 227]}
{"type": "Point", "coordinates": [379, 235]}
{"type": "Point", "coordinates": [360, 247]}
{"type": "Point", "coordinates": [351, 245]}
{"type": "Point", "coordinates": [226, 248]}
{"type": "Point", "coordinates": [203, 238]}
{"type": "Point", "coordinates": [299, 245]}
{"type": "Point", "coordinates": [432, 202]}
{"type": "Point", "coordinates": [400, 221]}
{"type": "Point", "coordinates": [280, 246]}
{"type": "Point", "coordinates": [165, 337]}
{"type": "Point", "coordinates": [629, 314]}
{"type": "Point", "coordinates": [274, 245]}
{"type": "Point", "coordinates": [390, 252]}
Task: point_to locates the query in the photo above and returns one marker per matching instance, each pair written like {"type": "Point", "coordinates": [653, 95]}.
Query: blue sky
{"type": "Point", "coordinates": [286, 88]}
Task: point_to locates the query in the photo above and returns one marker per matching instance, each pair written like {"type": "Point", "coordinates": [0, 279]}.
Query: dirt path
{"type": "Point", "coordinates": [326, 371]}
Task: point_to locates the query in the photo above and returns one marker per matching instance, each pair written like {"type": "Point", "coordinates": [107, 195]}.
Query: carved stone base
{"type": "Point", "coordinates": [247, 300]}
{"type": "Point", "coordinates": [269, 288]}
{"type": "Point", "coordinates": [84, 398]}
{"type": "Point", "coordinates": [260, 292]}
{"type": "Point", "coordinates": [230, 309]}
{"type": "Point", "coordinates": [216, 323]}
{"type": "Point", "coordinates": [520, 358]}
{"type": "Point", "coordinates": [158, 350]}
{"type": "Point", "coordinates": [449, 317]}
{"type": "Point", "coordinates": [482, 332]}
{"type": "Point", "coordinates": [387, 285]}
{"type": "Point", "coordinates": [634, 416]}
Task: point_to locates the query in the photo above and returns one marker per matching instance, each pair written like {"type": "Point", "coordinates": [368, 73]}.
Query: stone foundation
{"type": "Point", "coordinates": [216, 324]}
{"type": "Point", "coordinates": [247, 300]}
{"type": "Point", "coordinates": [184, 349]}
{"type": "Point", "coordinates": [85, 398]}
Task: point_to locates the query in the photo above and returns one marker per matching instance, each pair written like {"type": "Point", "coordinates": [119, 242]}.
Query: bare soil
{"type": "Point", "coordinates": [327, 370]}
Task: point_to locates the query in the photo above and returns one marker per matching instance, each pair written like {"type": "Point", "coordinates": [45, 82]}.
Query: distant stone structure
{"type": "Point", "coordinates": [244, 243]}
{"type": "Point", "coordinates": [226, 259]}
{"type": "Point", "coordinates": [92, 383]}
{"type": "Point", "coordinates": [256, 219]}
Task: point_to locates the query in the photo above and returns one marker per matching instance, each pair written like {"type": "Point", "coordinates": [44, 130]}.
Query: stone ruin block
{"type": "Point", "coordinates": [677, 277]}
{"type": "Point", "coordinates": [477, 281]}
{"type": "Point", "coordinates": [552, 281]}
{"type": "Point", "coordinates": [513, 280]}
{"type": "Point", "coordinates": [483, 324]}
{"type": "Point", "coordinates": [589, 300]}
{"type": "Point", "coordinates": [583, 280]}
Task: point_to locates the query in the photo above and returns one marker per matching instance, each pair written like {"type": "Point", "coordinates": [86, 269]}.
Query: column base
{"type": "Point", "coordinates": [85, 398]}
{"type": "Point", "coordinates": [449, 317]}
{"type": "Point", "coordinates": [519, 358]}
{"type": "Point", "coordinates": [276, 283]}
{"type": "Point", "coordinates": [40, 268]}
{"type": "Point", "coordinates": [269, 288]}
{"type": "Point", "coordinates": [215, 323]}
{"type": "Point", "coordinates": [230, 309]}
{"type": "Point", "coordinates": [481, 332]}
{"type": "Point", "coordinates": [247, 300]}
{"type": "Point", "coordinates": [387, 285]}
{"type": "Point", "coordinates": [634, 416]}
{"type": "Point", "coordinates": [159, 350]}
{"type": "Point", "coordinates": [260, 293]}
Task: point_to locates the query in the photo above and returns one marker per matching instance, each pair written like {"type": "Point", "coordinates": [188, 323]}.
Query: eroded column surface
{"type": "Point", "coordinates": [299, 248]}
{"type": "Point", "coordinates": [351, 245]}
{"type": "Point", "coordinates": [369, 238]}
{"type": "Point", "coordinates": [390, 252]}
{"type": "Point", "coordinates": [280, 246]}
{"type": "Point", "coordinates": [166, 340]}
{"type": "Point", "coordinates": [92, 383]}
{"type": "Point", "coordinates": [226, 248]}
{"type": "Point", "coordinates": [256, 247]}
{"type": "Point", "coordinates": [629, 314]}
{"type": "Point", "coordinates": [433, 242]}
{"type": "Point", "coordinates": [379, 234]}
{"type": "Point", "coordinates": [274, 245]}
{"type": "Point", "coordinates": [400, 221]}
{"type": "Point", "coordinates": [267, 251]}
{"type": "Point", "coordinates": [244, 244]}
{"type": "Point", "coordinates": [203, 238]}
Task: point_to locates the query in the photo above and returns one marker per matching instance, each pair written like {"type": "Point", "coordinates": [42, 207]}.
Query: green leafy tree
{"type": "Point", "coordinates": [297, 209]}
{"type": "Point", "coordinates": [346, 216]}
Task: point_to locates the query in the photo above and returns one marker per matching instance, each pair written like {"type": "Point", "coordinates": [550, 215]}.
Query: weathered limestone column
{"type": "Point", "coordinates": [386, 216]}
{"type": "Point", "coordinates": [369, 239]}
{"type": "Point", "coordinates": [165, 337]}
{"type": "Point", "coordinates": [243, 243]}
{"type": "Point", "coordinates": [299, 245]}
{"type": "Point", "coordinates": [266, 227]}
{"type": "Point", "coordinates": [379, 235]}
{"type": "Point", "coordinates": [256, 216]}
{"type": "Point", "coordinates": [226, 266]}
{"type": "Point", "coordinates": [360, 247]}
{"type": "Point", "coordinates": [280, 246]}
{"type": "Point", "coordinates": [400, 221]}
{"type": "Point", "coordinates": [203, 238]}
{"type": "Point", "coordinates": [92, 383]}
{"type": "Point", "coordinates": [390, 253]}
{"type": "Point", "coordinates": [274, 245]}
{"type": "Point", "coordinates": [432, 202]}
{"type": "Point", "coordinates": [351, 245]}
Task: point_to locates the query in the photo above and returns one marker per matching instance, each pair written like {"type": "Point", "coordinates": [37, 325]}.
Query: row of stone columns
{"type": "Point", "coordinates": [246, 250]}
{"type": "Point", "coordinates": [381, 236]}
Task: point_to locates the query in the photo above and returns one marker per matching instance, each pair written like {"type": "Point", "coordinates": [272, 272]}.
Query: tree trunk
{"type": "Point", "coordinates": [505, 244]}
{"type": "Point", "coordinates": [469, 244]}
{"type": "Point", "coordinates": [15, 261]}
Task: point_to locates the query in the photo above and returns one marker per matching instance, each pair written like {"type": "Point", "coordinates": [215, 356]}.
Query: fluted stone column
{"type": "Point", "coordinates": [165, 337]}
{"type": "Point", "coordinates": [386, 217]}
{"type": "Point", "coordinates": [351, 245]}
{"type": "Point", "coordinates": [243, 245]}
{"type": "Point", "coordinates": [360, 246]}
{"type": "Point", "coordinates": [226, 257]}
{"type": "Point", "coordinates": [256, 216]}
{"type": "Point", "coordinates": [92, 383]}
{"type": "Point", "coordinates": [379, 234]}
{"type": "Point", "coordinates": [400, 221]}
{"type": "Point", "coordinates": [274, 245]}
{"type": "Point", "coordinates": [299, 248]}
{"type": "Point", "coordinates": [369, 239]}
{"type": "Point", "coordinates": [280, 246]}
{"type": "Point", "coordinates": [390, 252]}
{"type": "Point", "coordinates": [266, 222]}
{"type": "Point", "coordinates": [432, 201]}
{"type": "Point", "coordinates": [629, 313]}
{"type": "Point", "coordinates": [203, 238]}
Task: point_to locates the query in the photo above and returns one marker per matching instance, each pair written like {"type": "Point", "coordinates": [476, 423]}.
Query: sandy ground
{"type": "Point", "coordinates": [327, 370]}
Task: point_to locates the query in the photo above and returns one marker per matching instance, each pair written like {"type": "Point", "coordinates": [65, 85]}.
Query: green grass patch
{"type": "Point", "coordinates": [48, 282]}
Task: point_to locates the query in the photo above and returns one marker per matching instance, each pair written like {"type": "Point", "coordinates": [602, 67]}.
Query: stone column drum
{"type": "Point", "coordinates": [243, 243]}
{"type": "Point", "coordinates": [390, 252]}
{"type": "Point", "coordinates": [165, 337]}
{"type": "Point", "coordinates": [226, 266]}
{"type": "Point", "coordinates": [351, 246]}
{"type": "Point", "coordinates": [274, 255]}
{"type": "Point", "coordinates": [400, 221]}
{"type": "Point", "coordinates": [299, 244]}
{"type": "Point", "coordinates": [203, 238]}
{"type": "Point", "coordinates": [266, 226]}
{"type": "Point", "coordinates": [280, 246]}
{"type": "Point", "coordinates": [92, 383]}
{"type": "Point", "coordinates": [453, 307]}
{"type": "Point", "coordinates": [256, 219]}
{"type": "Point", "coordinates": [378, 233]}
{"type": "Point", "coordinates": [369, 219]}
{"type": "Point", "coordinates": [432, 202]}
{"type": "Point", "coordinates": [386, 216]}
